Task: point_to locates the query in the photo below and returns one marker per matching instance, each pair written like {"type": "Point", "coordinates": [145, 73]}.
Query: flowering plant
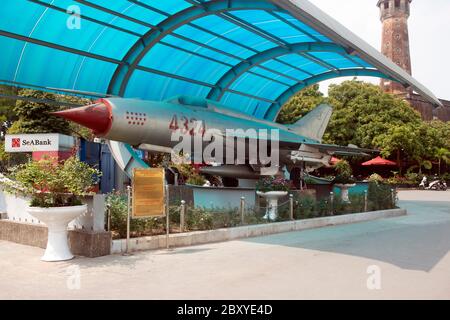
{"type": "Point", "coordinates": [54, 184]}
{"type": "Point", "coordinates": [273, 184]}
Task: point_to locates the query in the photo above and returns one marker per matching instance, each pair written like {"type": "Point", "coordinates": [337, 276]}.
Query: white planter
{"type": "Point", "coordinates": [344, 191]}
{"type": "Point", "coordinates": [57, 219]}
{"type": "Point", "coordinates": [272, 198]}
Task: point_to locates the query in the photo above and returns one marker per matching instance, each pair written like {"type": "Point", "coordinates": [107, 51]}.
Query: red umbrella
{"type": "Point", "coordinates": [379, 161]}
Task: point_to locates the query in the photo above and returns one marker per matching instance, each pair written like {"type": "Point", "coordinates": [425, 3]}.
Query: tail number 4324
{"type": "Point", "coordinates": [190, 126]}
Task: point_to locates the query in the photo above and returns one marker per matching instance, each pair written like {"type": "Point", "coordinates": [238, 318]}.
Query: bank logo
{"type": "Point", "coordinates": [16, 143]}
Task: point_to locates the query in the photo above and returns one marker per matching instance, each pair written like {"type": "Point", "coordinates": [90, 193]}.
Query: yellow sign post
{"type": "Point", "coordinates": [148, 198]}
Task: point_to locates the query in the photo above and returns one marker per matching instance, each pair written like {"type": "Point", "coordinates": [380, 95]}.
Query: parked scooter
{"type": "Point", "coordinates": [424, 183]}
{"type": "Point", "coordinates": [436, 185]}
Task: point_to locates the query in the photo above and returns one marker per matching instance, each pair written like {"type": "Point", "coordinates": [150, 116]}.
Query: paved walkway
{"type": "Point", "coordinates": [409, 254]}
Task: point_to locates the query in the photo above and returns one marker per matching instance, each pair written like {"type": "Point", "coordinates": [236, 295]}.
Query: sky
{"type": "Point", "coordinates": [429, 31]}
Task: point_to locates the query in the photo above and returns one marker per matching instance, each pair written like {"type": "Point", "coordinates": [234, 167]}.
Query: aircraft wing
{"type": "Point", "coordinates": [339, 150]}
{"type": "Point", "coordinates": [293, 142]}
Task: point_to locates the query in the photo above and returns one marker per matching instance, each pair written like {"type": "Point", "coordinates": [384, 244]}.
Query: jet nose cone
{"type": "Point", "coordinates": [97, 117]}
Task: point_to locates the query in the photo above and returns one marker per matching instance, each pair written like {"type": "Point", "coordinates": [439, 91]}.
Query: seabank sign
{"type": "Point", "coordinates": [37, 142]}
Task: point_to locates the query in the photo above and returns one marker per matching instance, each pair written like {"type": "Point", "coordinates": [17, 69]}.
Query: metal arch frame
{"type": "Point", "coordinates": [274, 109]}
{"type": "Point", "coordinates": [115, 13]}
{"type": "Point", "coordinates": [123, 73]}
{"type": "Point", "coordinates": [237, 71]}
{"type": "Point", "coordinates": [310, 14]}
{"type": "Point", "coordinates": [87, 18]}
{"type": "Point", "coordinates": [58, 47]}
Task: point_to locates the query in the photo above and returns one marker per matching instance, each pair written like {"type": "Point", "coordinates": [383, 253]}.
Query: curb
{"type": "Point", "coordinates": [228, 234]}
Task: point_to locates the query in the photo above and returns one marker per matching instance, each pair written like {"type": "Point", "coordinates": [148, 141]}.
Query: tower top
{"type": "Point", "coordinates": [394, 8]}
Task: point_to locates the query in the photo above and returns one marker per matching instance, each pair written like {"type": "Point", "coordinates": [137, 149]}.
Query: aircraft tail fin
{"type": "Point", "coordinates": [313, 124]}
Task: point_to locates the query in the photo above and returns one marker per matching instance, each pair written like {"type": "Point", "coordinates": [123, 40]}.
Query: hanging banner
{"type": "Point", "coordinates": [148, 193]}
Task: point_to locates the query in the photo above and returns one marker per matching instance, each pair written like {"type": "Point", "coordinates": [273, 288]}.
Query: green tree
{"type": "Point", "coordinates": [35, 117]}
{"type": "Point", "coordinates": [442, 154]}
{"type": "Point", "coordinates": [300, 104]}
{"type": "Point", "coordinates": [362, 112]}
{"type": "Point", "coordinates": [365, 116]}
{"type": "Point", "coordinates": [400, 140]}
{"type": "Point", "coordinates": [7, 114]}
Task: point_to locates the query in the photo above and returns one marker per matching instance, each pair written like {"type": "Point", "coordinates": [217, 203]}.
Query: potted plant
{"type": "Point", "coordinates": [344, 179]}
{"type": "Point", "coordinates": [272, 189]}
{"type": "Point", "coordinates": [56, 189]}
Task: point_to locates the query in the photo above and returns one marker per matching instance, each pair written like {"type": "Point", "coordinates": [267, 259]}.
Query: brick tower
{"type": "Point", "coordinates": [395, 39]}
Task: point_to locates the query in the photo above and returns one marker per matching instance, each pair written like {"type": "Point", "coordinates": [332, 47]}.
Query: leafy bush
{"type": "Point", "coordinates": [55, 184]}
{"type": "Point", "coordinates": [196, 180]}
{"type": "Point", "coordinates": [399, 180]}
{"type": "Point", "coordinates": [355, 205]}
{"type": "Point", "coordinates": [376, 178]}
{"type": "Point", "coordinates": [304, 208]}
{"type": "Point", "coordinates": [381, 197]}
{"type": "Point", "coordinates": [412, 178]}
{"type": "Point", "coordinates": [227, 218]}
{"type": "Point", "coordinates": [118, 207]}
{"type": "Point", "coordinates": [199, 219]}
{"type": "Point", "coordinates": [273, 184]}
{"type": "Point", "coordinates": [344, 173]}
{"type": "Point", "coordinates": [8, 160]}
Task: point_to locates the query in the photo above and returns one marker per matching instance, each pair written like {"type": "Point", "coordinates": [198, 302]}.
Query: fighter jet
{"type": "Point", "coordinates": [150, 125]}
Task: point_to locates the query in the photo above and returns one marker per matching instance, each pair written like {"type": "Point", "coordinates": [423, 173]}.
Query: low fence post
{"type": "Point", "coordinates": [242, 210]}
{"type": "Point", "coordinates": [393, 197]}
{"type": "Point", "coordinates": [332, 203]}
{"type": "Point", "coordinates": [108, 212]}
{"type": "Point", "coordinates": [291, 207]}
{"type": "Point", "coordinates": [366, 204]}
{"type": "Point", "coordinates": [127, 247]}
{"type": "Point", "coordinates": [182, 215]}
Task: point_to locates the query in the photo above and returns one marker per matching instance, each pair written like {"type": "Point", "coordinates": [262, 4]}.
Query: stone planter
{"type": "Point", "coordinates": [344, 191]}
{"type": "Point", "coordinates": [272, 198]}
{"type": "Point", "coordinates": [57, 219]}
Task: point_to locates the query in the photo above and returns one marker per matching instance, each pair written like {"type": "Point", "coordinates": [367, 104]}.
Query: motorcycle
{"type": "Point", "coordinates": [436, 185]}
{"type": "Point", "coordinates": [424, 183]}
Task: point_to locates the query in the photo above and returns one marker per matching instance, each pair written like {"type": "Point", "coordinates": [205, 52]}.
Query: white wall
{"type": "Point", "coordinates": [15, 208]}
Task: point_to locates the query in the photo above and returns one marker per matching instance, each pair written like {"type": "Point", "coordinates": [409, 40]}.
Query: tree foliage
{"type": "Point", "coordinates": [35, 117]}
{"type": "Point", "coordinates": [7, 114]}
{"type": "Point", "coordinates": [300, 104]}
{"type": "Point", "coordinates": [365, 116]}
{"type": "Point", "coordinates": [55, 184]}
{"type": "Point", "coordinates": [362, 112]}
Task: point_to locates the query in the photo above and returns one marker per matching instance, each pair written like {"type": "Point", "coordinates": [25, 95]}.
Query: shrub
{"type": "Point", "coordinates": [227, 218]}
{"type": "Point", "coordinates": [55, 184]}
{"type": "Point", "coordinates": [273, 184]}
{"type": "Point", "coordinates": [380, 197]}
{"type": "Point", "coordinates": [304, 208]}
{"type": "Point", "coordinates": [118, 208]}
{"type": "Point", "coordinates": [375, 177]}
{"type": "Point", "coordinates": [344, 173]}
{"type": "Point", "coordinates": [412, 178]}
{"type": "Point", "coordinates": [199, 219]}
{"type": "Point", "coordinates": [196, 180]}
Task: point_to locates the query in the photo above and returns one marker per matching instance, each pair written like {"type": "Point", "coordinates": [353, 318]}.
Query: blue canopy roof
{"type": "Point", "coordinates": [252, 55]}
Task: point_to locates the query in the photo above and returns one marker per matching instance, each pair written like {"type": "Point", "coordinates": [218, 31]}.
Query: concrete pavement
{"type": "Point", "coordinates": [406, 257]}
